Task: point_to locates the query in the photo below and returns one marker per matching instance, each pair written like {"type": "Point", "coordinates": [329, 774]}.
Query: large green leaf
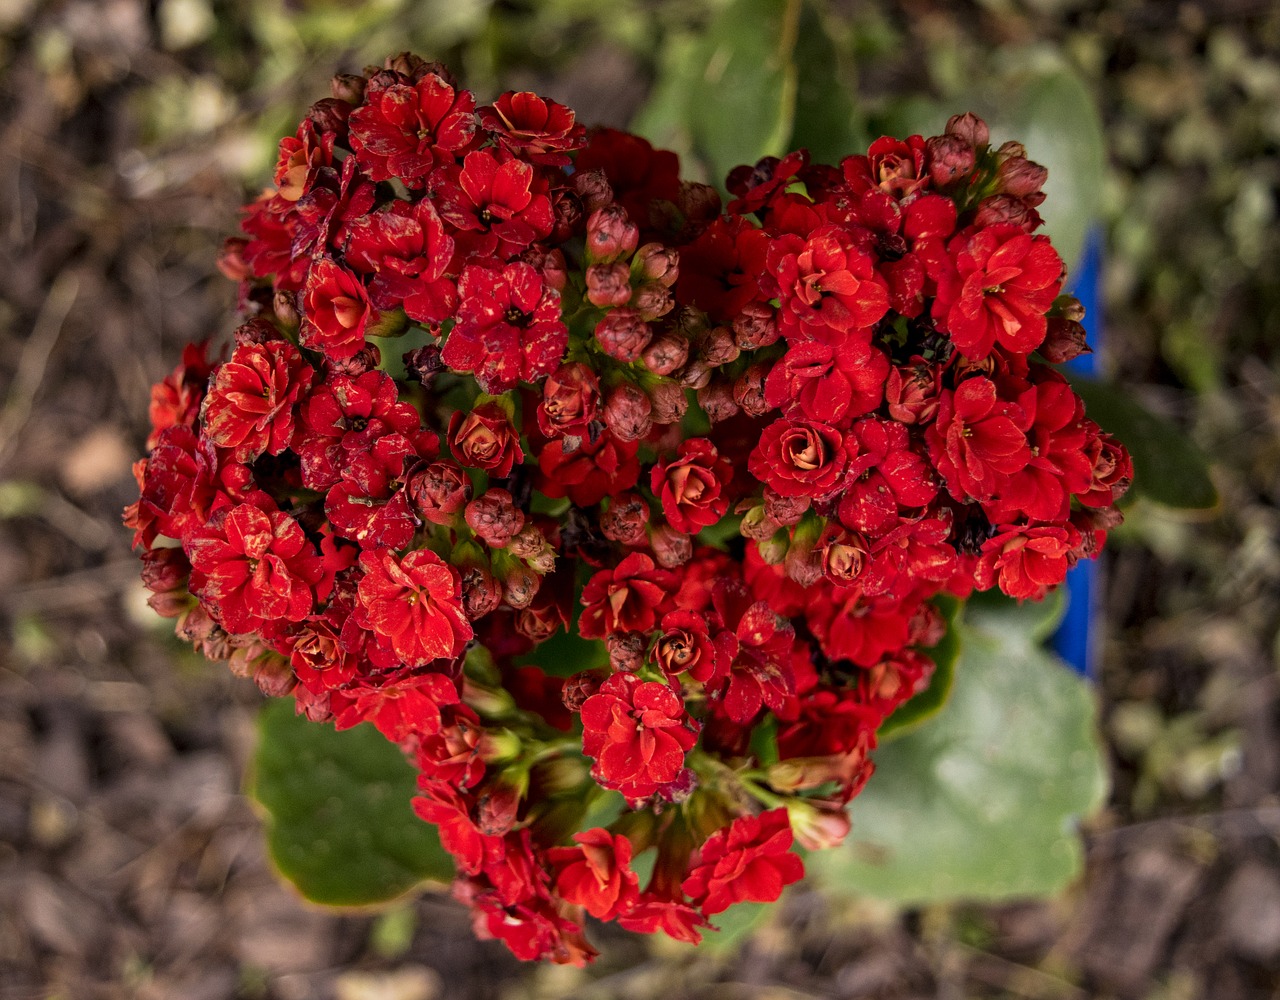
{"type": "Point", "coordinates": [982, 802]}
{"type": "Point", "coordinates": [827, 121]}
{"type": "Point", "coordinates": [1167, 466]}
{"type": "Point", "coordinates": [339, 823]}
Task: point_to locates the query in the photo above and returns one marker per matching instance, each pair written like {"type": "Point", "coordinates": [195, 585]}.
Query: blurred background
{"type": "Point", "coordinates": [132, 130]}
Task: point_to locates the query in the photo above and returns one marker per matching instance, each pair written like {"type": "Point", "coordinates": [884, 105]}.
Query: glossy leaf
{"type": "Point", "coordinates": [339, 823]}
{"type": "Point", "coordinates": [982, 802]}
{"type": "Point", "coordinates": [1167, 466]}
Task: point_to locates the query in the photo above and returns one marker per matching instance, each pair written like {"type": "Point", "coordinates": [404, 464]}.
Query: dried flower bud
{"type": "Point", "coordinates": [494, 517]}
{"type": "Point", "coordinates": [610, 235]}
{"type": "Point", "coordinates": [669, 403]}
{"type": "Point", "coordinates": [593, 190]}
{"type": "Point", "coordinates": [481, 593]}
{"type": "Point", "coordinates": [438, 491]}
{"type": "Point", "coordinates": [539, 621]}
{"type": "Point", "coordinates": [520, 586]}
{"type": "Point", "coordinates": [348, 87]}
{"type": "Point", "coordinates": [258, 330]}
{"type": "Point", "coordinates": [748, 390]}
{"type": "Point", "coordinates": [424, 364]}
{"type": "Point", "coordinates": [528, 542]}
{"type": "Point", "coordinates": [784, 510]}
{"type": "Point", "coordinates": [1004, 209]}
{"type": "Point", "coordinates": [622, 334]}
{"type": "Point", "coordinates": [364, 360]}
{"type": "Point", "coordinates": [756, 326]}
{"type": "Point", "coordinates": [548, 263]}
{"type": "Point", "coordinates": [609, 284]}
{"type": "Point", "coordinates": [285, 306]}
{"type": "Point", "coordinates": [951, 159]}
{"type": "Point", "coordinates": [803, 561]}
{"type": "Point", "coordinates": [718, 347]}
{"type": "Point", "coordinates": [652, 301]}
{"type": "Point", "coordinates": [696, 375]}
{"type": "Point", "coordinates": [626, 413]}
{"type": "Point", "coordinates": [566, 207]}
{"type": "Point", "coordinates": [497, 805]}
{"type": "Point", "coordinates": [969, 128]}
{"type": "Point", "coordinates": [698, 202]}
{"type": "Point", "coordinates": [1022, 179]}
{"type": "Point", "coordinates": [330, 115]}
{"type": "Point", "coordinates": [1064, 340]}
{"type": "Point", "coordinates": [626, 650]}
{"type": "Point", "coordinates": [716, 400]}
{"type": "Point", "coordinates": [625, 520]}
{"type": "Point", "coordinates": [665, 353]}
{"type": "Point", "coordinates": [670, 547]}
{"type": "Point", "coordinates": [757, 524]}
{"type": "Point", "coordinates": [581, 686]}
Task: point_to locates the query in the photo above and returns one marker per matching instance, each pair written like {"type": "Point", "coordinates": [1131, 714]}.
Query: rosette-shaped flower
{"type": "Point", "coordinates": [828, 382]}
{"type": "Point", "coordinates": [252, 568]}
{"type": "Point", "coordinates": [485, 439]}
{"type": "Point", "coordinates": [692, 486]}
{"type": "Point", "coordinates": [250, 406]}
{"type": "Point", "coordinates": [336, 310]}
{"type": "Point", "coordinates": [597, 874]}
{"type": "Point", "coordinates": [827, 287]}
{"type": "Point", "coordinates": [626, 598]}
{"type": "Point", "coordinates": [638, 733]}
{"type": "Point", "coordinates": [1004, 282]}
{"type": "Point", "coordinates": [537, 128]}
{"type": "Point", "coordinates": [570, 399]}
{"type": "Point", "coordinates": [749, 861]}
{"type": "Point", "coordinates": [799, 458]}
{"type": "Point", "coordinates": [415, 604]}
{"type": "Point", "coordinates": [509, 327]}
{"type": "Point", "coordinates": [403, 129]}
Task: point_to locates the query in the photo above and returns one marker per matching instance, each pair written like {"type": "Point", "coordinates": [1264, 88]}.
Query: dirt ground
{"type": "Point", "coordinates": [131, 865]}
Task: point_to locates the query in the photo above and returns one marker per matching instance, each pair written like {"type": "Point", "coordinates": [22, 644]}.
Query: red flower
{"type": "Point", "coordinates": [886, 476]}
{"type": "Point", "coordinates": [638, 733]}
{"type": "Point", "coordinates": [799, 458]}
{"type": "Point", "coordinates": [721, 269]}
{"type": "Point", "coordinates": [495, 206]}
{"type": "Point", "coordinates": [403, 705]}
{"type": "Point", "coordinates": [891, 165]}
{"type": "Point", "coordinates": [686, 645]}
{"type": "Point", "coordinates": [485, 439]}
{"type": "Point", "coordinates": [1025, 561]}
{"type": "Point", "coordinates": [509, 327]}
{"type": "Point", "coordinates": [976, 442]}
{"type": "Point", "coordinates": [402, 130]}
{"type": "Point", "coordinates": [570, 399]}
{"type": "Point", "coordinates": [828, 382]}
{"type": "Point", "coordinates": [415, 604]}
{"type": "Point", "coordinates": [596, 875]}
{"type": "Point", "coordinates": [251, 568]}
{"type": "Point", "coordinates": [1004, 282]}
{"type": "Point", "coordinates": [827, 287]}
{"type": "Point", "coordinates": [591, 471]}
{"type": "Point", "coordinates": [370, 504]}
{"type": "Point", "coordinates": [408, 251]}
{"type": "Point", "coordinates": [301, 157]}
{"type": "Point", "coordinates": [250, 406]}
{"type": "Point", "coordinates": [534, 127]}
{"type": "Point", "coordinates": [176, 400]}
{"type": "Point", "coordinates": [450, 811]}
{"type": "Point", "coordinates": [692, 487]}
{"type": "Point", "coordinates": [452, 752]}
{"type": "Point", "coordinates": [335, 311]}
{"type": "Point", "coordinates": [749, 861]}
{"type": "Point", "coordinates": [626, 598]}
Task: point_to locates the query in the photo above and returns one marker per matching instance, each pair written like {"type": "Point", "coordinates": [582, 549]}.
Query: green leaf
{"type": "Point", "coordinates": [982, 803]}
{"type": "Point", "coordinates": [567, 653]}
{"type": "Point", "coordinates": [929, 701]}
{"type": "Point", "coordinates": [339, 823]}
{"type": "Point", "coordinates": [1167, 466]}
{"type": "Point", "coordinates": [827, 122]}
{"type": "Point", "coordinates": [733, 925]}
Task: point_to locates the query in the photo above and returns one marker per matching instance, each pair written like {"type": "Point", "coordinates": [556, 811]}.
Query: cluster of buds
{"type": "Point", "coordinates": [621, 512]}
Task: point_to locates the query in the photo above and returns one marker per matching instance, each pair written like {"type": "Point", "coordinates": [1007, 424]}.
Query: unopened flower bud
{"type": "Point", "coordinates": [581, 686]}
{"type": "Point", "coordinates": [969, 128]}
{"type": "Point", "coordinates": [625, 520]}
{"type": "Point", "coordinates": [593, 190]}
{"type": "Point", "coordinates": [718, 347]}
{"type": "Point", "coordinates": [803, 561]}
{"type": "Point", "coordinates": [530, 544]}
{"type": "Point", "coordinates": [755, 326]}
{"type": "Point", "coordinates": [566, 207]}
{"type": "Point", "coordinates": [1004, 209]}
{"type": "Point", "coordinates": [695, 375]}
{"type": "Point", "coordinates": [258, 330]}
{"type": "Point", "coordinates": [652, 300]}
{"type": "Point", "coordinates": [438, 491]}
{"type": "Point", "coordinates": [330, 115]}
{"type": "Point", "coordinates": [424, 364]}
{"type": "Point", "coordinates": [520, 585]}
{"type": "Point", "coordinates": [1064, 340]}
{"type": "Point", "coordinates": [622, 334]}
{"type": "Point", "coordinates": [1022, 179]}
{"type": "Point", "coordinates": [364, 360]}
{"type": "Point", "coordinates": [669, 403]}
{"type": "Point", "coordinates": [817, 829]}
{"type": "Point", "coordinates": [494, 517]}
{"type": "Point", "coordinates": [548, 263]}
{"type": "Point", "coordinates": [626, 650]}
{"type": "Point", "coordinates": [774, 549]}
{"type": "Point", "coordinates": [610, 234]}
{"type": "Point", "coordinates": [844, 556]}
{"type": "Point", "coordinates": [497, 804]}
{"type": "Point", "coordinates": [670, 547]}
{"type": "Point", "coordinates": [756, 524]}
{"type": "Point", "coordinates": [285, 306]}
{"type": "Point", "coordinates": [348, 87]}
{"type": "Point", "coordinates": [539, 621]}
{"type": "Point", "coordinates": [481, 593]}
{"type": "Point", "coordinates": [951, 159]}
{"type": "Point", "coordinates": [748, 390]}
{"type": "Point", "coordinates": [698, 202]}
{"type": "Point", "coordinates": [665, 353]}
{"type": "Point", "coordinates": [716, 399]}
{"type": "Point", "coordinates": [626, 412]}
{"type": "Point", "coordinates": [609, 284]}
{"type": "Point", "coordinates": [658, 263]}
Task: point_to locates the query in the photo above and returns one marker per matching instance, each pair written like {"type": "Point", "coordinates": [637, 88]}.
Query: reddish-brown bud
{"type": "Point", "coordinates": [969, 128]}
{"type": "Point", "coordinates": [539, 621]}
{"type": "Point", "coordinates": [670, 547]}
{"type": "Point", "coordinates": [609, 284]}
{"type": "Point", "coordinates": [285, 306]}
{"type": "Point", "coordinates": [258, 330]}
{"type": "Point", "coordinates": [1004, 209]}
{"type": "Point", "coordinates": [716, 399]}
{"type": "Point", "coordinates": [626, 650]}
{"type": "Point", "coordinates": [844, 556]}
{"type": "Point", "coordinates": [756, 523]}
{"type": "Point", "coordinates": [578, 688]}
{"type": "Point", "coordinates": [756, 326]}
{"type": "Point", "coordinates": [611, 235]}
{"type": "Point", "coordinates": [348, 87]}
{"type": "Point", "coordinates": [593, 190]}
{"type": "Point", "coordinates": [718, 347]}
{"type": "Point", "coordinates": [625, 520]}
{"type": "Point", "coordinates": [652, 300]}
{"type": "Point", "coordinates": [424, 364]}
{"type": "Point", "coordinates": [951, 159]}
{"type": "Point", "coordinates": [784, 510]}
{"type": "Point", "coordinates": [364, 360]}
{"type": "Point", "coordinates": [627, 412]}
{"type": "Point", "coordinates": [748, 390]}
{"type": "Point", "coordinates": [531, 545]}
{"type": "Point", "coordinates": [803, 562]}
{"type": "Point", "coordinates": [669, 403]}
{"type": "Point", "coordinates": [481, 593]}
{"type": "Point", "coordinates": [520, 586]}
{"type": "Point", "coordinates": [570, 400]}
{"type": "Point", "coordinates": [494, 517]}
{"type": "Point", "coordinates": [438, 491]}
{"type": "Point", "coordinates": [1064, 340]}
{"type": "Point", "coordinates": [330, 115]}
{"type": "Point", "coordinates": [497, 805]}
{"type": "Point", "coordinates": [658, 263]}
{"type": "Point", "coordinates": [698, 202]}
{"type": "Point", "coordinates": [1023, 179]}
{"type": "Point", "coordinates": [566, 206]}
{"type": "Point", "coordinates": [548, 263]}
{"type": "Point", "coordinates": [665, 353]}
{"type": "Point", "coordinates": [622, 334]}
{"type": "Point", "coordinates": [695, 375]}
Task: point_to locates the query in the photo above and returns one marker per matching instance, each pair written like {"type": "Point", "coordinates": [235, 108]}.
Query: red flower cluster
{"type": "Point", "coordinates": [651, 501]}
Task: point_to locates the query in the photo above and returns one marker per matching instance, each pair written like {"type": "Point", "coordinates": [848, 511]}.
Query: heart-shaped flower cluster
{"type": "Point", "coordinates": [621, 511]}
